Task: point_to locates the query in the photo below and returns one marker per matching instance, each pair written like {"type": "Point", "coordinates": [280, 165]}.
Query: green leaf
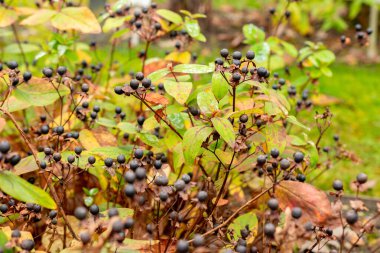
{"type": "Point", "coordinates": [241, 222]}
{"type": "Point", "coordinates": [207, 102]}
{"type": "Point", "coordinates": [113, 23]}
{"type": "Point", "coordinates": [106, 122]}
{"type": "Point", "coordinates": [88, 201]}
{"type": "Point", "coordinates": [192, 27]}
{"type": "Point", "coordinates": [314, 155]}
{"type": "Point", "coordinates": [76, 18]}
{"type": "Point", "coordinates": [111, 151]}
{"type": "Point", "coordinates": [192, 142]}
{"type": "Point", "coordinates": [326, 71]}
{"type": "Point", "coordinates": [193, 68]}
{"type": "Point", "coordinates": [127, 127]}
{"type": "Point", "coordinates": [93, 191]}
{"type": "Point", "coordinates": [22, 190]}
{"type": "Point", "coordinates": [253, 34]}
{"type": "Point", "coordinates": [325, 56]}
{"type": "Point", "coordinates": [219, 85]}
{"type": "Point", "coordinates": [180, 91]}
{"type": "Point", "coordinates": [26, 48]}
{"type": "Point", "coordinates": [225, 129]}
{"type": "Point", "coordinates": [289, 48]}
{"type": "Point", "coordinates": [262, 51]}
{"type": "Point", "coordinates": [200, 37]}
{"type": "Point", "coordinates": [27, 164]}
{"type": "Point", "coordinates": [170, 16]}
{"type": "Point", "coordinates": [275, 136]}
{"type": "Point", "coordinates": [158, 74]}
{"type": "Point", "coordinates": [39, 94]}
{"type": "Point", "coordinates": [294, 120]}
{"type": "Point", "coordinates": [149, 139]}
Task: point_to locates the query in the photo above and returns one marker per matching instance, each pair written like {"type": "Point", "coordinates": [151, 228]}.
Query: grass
{"type": "Point", "coordinates": [356, 120]}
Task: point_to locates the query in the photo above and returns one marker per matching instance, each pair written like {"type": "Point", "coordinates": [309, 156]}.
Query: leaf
{"type": "Point", "coordinates": [113, 23]}
{"type": "Point", "coordinates": [149, 139]}
{"type": "Point", "coordinates": [294, 120]}
{"type": "Point", "coordinates": [192, 27]}
{"type": "Point", "coordinates": [27, 164]}
{"type": "Point", "coordinates": [262, 51]}
{"type": "Point", "coordinates": [192, 141]}
{"type": "Point", "coordinates": [193, 68]}
{"type": "Point", "coordinates": [110, 151]}
{"type": "Point", "coordinates": [76, 18]}
{"type": "Point", "coordinates": [158, 74]}
{"type": "Point", "coordinates": [314, 154]}
{"type": "Point", "coordinates": [325, 56]}
{"type": "Point", "coordinates": [180, 91]}
{"type": "Point", "coordinates": [127, 127]}
{"type": "Point", "coordinates": [39, 93]}
{"type": "Point", "coordinates": [219, 85]}
{"type": "Point", "coordinates": [170, 16]}
{"type": "Point", "coordinates": [181, 57]}
{"type": "Point", "coordinates": [156, 99]}
{"type": "Point", "coordinates": [26, 48]}
{"type": "Point", "coordinates": [22, 190]}
{"type": "Point", "coordinates": [7, 17]}
{"type": "Point", "coordinates": [289, 48]}
{"type": "Point", "coordinates": [253, 34]}
{"type": "Point", "coordinates": [275, 137]}
{"type": "Point", "coordinates": [241, 222]}
{"type": "Point", "coordinates": [207, 102]}
{"type": "Point", "coordinates": [225, 129]}
{"type": "Point", "coordinates": [313, 202]}
{"type": "Point", "coordinates": [123, 213]}
{"type": "Point", "coordinates": [41, 16]}
{"type": "Point", "coordinates": [3, 123]}
{"type": "Point", "coordinates": [88, 140]}
{"type": "Point", "coordinates": [106, 122]}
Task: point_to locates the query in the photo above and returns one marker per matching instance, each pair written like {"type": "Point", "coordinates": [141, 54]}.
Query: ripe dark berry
{"type": "Point", "coordinates": [161, 181]}
{"type": "Point", "coordinates": [272, 11]}
{"type": "Point", "coordinates": [113, 212]}
{"type": "Point", "coordinates": [157, 164]}
{"type": "Point", "coordinates": [198, 240]}
{"type": "Point", "coordinates": [254, 249]}
{"type": "Point", "coordinates": [236, 77]}
{"type": "Point", "coordinates": [352, 217]}
{"type": "Point", "coordinates": [243, 118]}
{"type": "Point", "coordinates": [361, 178]}
{"type": "Point", "coordinates": [133, 165]}
{"type": "Point", "coordinates": [179, 185]}
{"type": "Point", "coordinates": [118, 90]}
{"type": "Point", "coordinates": [287, 14]}
{"type": "Point", "coordinates": [338, 185]}
{"type": "Point", "coordinates": [358, 27]}
{"type": "Point", "coordinates": [146, 83]}
{"type": "Point", "coordinates": [224, 52]}
{"type": "Point", "coordinates": [219, 61]}
{"type": "Point", "coordinates": [27, 245]}
{"type": "Point", "coordinates": [157, 26]}
{"type": "Point", "coordinates": [236, 62]}
{"type": "Point", "coordinates": [186, 178]}
{"type": "Point", "coordinates": [53, 214]}
{"type": "Point", "coordinates": [60, 130]}
{"type": "Point", "coordinates": [117, 226]}
{"type": "Point", "coordinates": [108, 162]}
{"type": "Point", "coordinates": [182, 246]}
{"type": "Point", "coordinates": [261, 159]}
{"type": "Point", "coordinates": [61, 70]}
{"type": "Point", "coordinates": [202, 196]}
{"type": "Point", "coordinates": [44, 129]}
{"type": "Point", "coordinates": [85, 237]}
{"type": "Point", "coordinates": [120, 159]}
{"type": "Point", "coordinates": [78, 150]}
{"type": "Point", "coordinates": [71, 159]}
{"type": "Point", "coordinates": [57, 157]}
{"type": "Point", "coordinates": [369, 31]}
{"type": "Point", "coordinates": [129, 177]}
{"type": "Point", "coordinates": [3, 208]}
{"type": "Point", "coordinates": [275, 153]}
{"type": "Point", "coordinates": [96, 108]}
{"type": "Point", "coordinates": [262, 72]}
{"type": "Point", "coordinates": [329, 231]}
{"type": "Point", "coordinates": [80, 213]}
{"type": "Point", "coordinates": [93, 115]}
{"type": "Point", "coordinates": [273, 204]}
{"type": "Point", "coordinates": [4, 147]}
{"type": "Point", "coordinates": [336, 137]}
{"type": "Point", "coordinates": [250, 55]}
{"type": "Point", "coordinates": [284, 164]}
{"type": "Point", "coordinates": [85, 88]}
{"type": "Point", "coordinates": [118, 110]}
{"type": "Point", "coordinates": [91, 160]}
{"type": "Point", "coordinates": [163, 196]}
{"type": "Point", "coordinates": [139, 153]}
{"type": "Point", "coordinates": [16, 233]}
{"type": "Point", "coordinates": [129, 190]}
{"type": "Point", "coordinates": [129, 223]}
{"type": "Point", "coordinates": [301, 177]}
{"type": "Point", "coordinates": [269, 230]}
{"type": "Point", "coordinates": [43, 165]}
{"type": "Point", "coordinates": [134, 84]}
{"type": "Point", "coordinates": [140, 120]}
{"type": "Point", "coordinates": [27, 76]}
{"type": "Point", "coordinates": [36, 208]}
{"type": "Point", "coordinates": [298, 157]}
{"type": "Point", "coordinates": [194, 111]}
{"type": "Point", "coordinates": [48, 72]}
{"type": "Point", "coordinates": [139, 76]}
{"type": "Point", "coordinates": [296, 212]}
{"type": "Point", "coordinates": [237, 55]}
{"type": "Point", "coordinates": [140, 173]}
{"type": "Point", "coordinates": [12, 64]}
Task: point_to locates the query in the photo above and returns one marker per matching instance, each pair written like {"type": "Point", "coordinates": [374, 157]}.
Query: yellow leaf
{"type": "Point", "coordinates": [76, 18]}
{"type": "Point", "coordinates": [39, 17]}
{"type": "Point", "coordinates": [88, 140]}
{"type": "Point", "coordinates": [182, 57]}
{"type": "Point", "coordinates": [7, 17]}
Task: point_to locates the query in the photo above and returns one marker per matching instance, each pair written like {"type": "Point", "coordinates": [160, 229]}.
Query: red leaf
{"type": "Point", "coordinates": [156, 99]}
{"type": "Point", "coordinates": [314, 203]}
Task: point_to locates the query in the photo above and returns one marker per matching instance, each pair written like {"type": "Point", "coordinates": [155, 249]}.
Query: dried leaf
{"type": "Point", "coordinates": [156, 99]}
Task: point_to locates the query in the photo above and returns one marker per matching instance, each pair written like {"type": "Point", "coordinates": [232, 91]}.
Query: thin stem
{"type": "Point", "coordinates": [145, 56]}
{"type": "Point", "coordinates": [20, 46]}
{"type": "Point", "coordinates": [113, 47]}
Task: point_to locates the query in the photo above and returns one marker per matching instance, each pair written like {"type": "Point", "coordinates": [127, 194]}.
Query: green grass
{"type": "Point", "coordinates": [356, 120]}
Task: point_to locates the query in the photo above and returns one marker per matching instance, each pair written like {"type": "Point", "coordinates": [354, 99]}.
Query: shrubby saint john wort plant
{"type": "Point", "coordinates": [109, 149]}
